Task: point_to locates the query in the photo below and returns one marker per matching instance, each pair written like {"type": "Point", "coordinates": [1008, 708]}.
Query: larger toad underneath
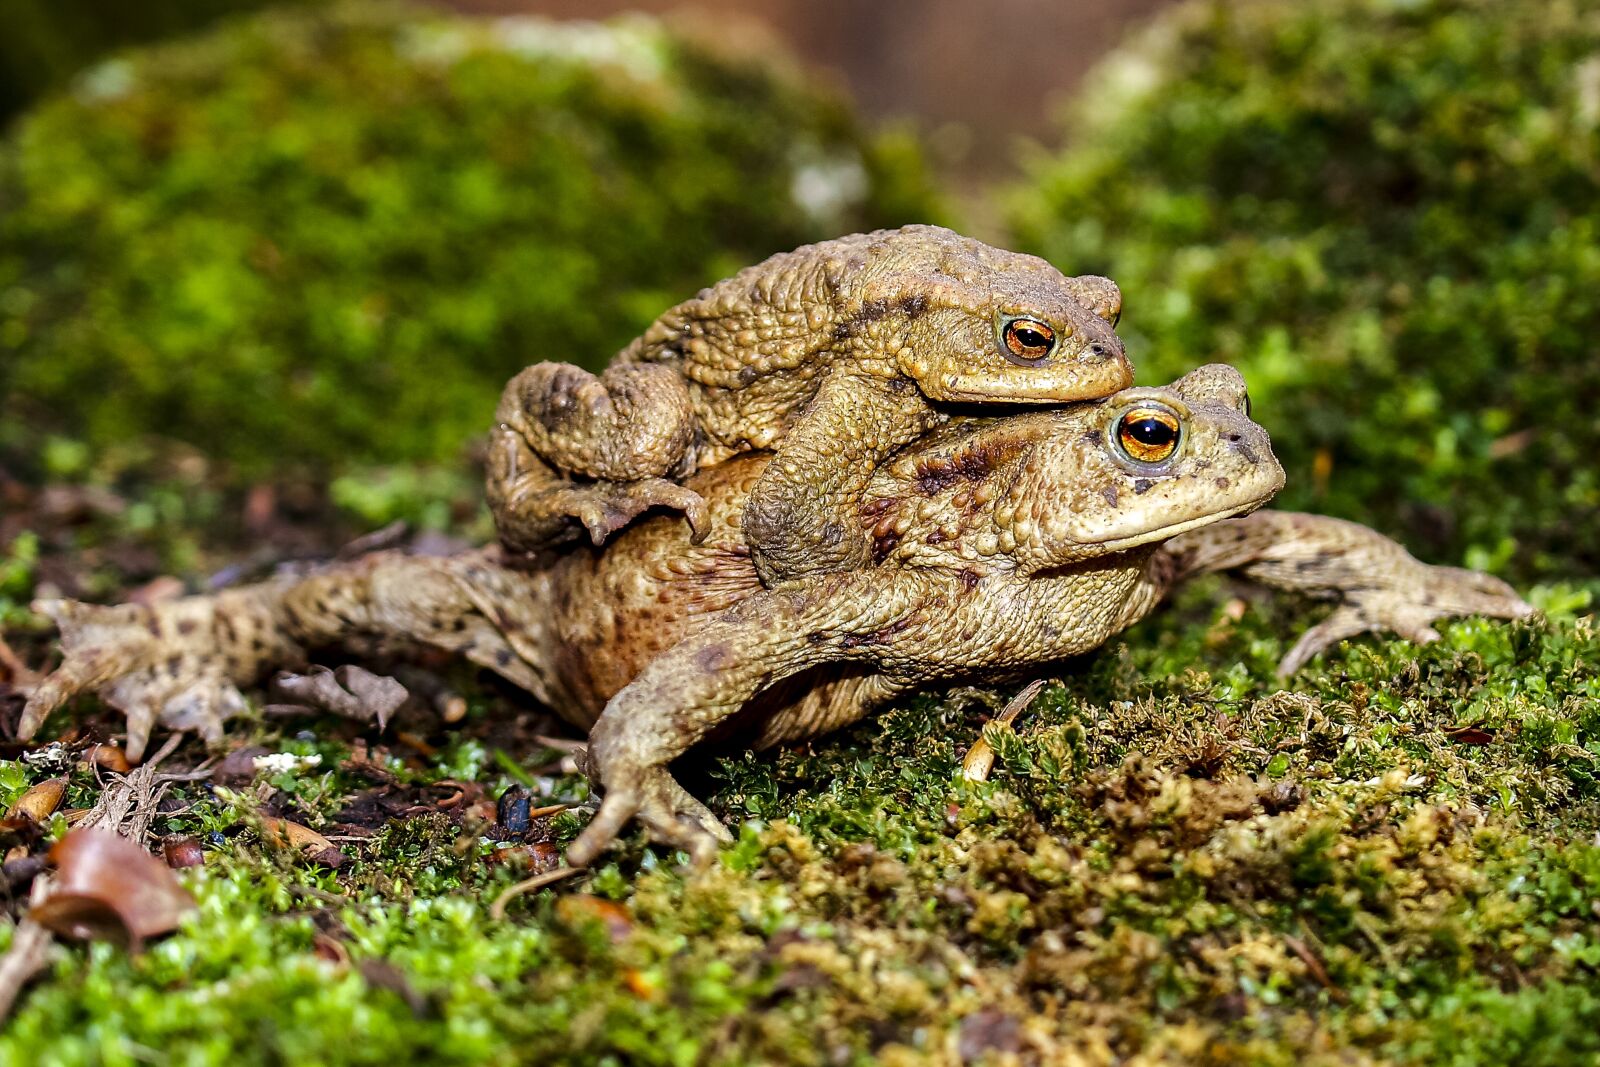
{"type": "Point", "coordinates": [1001, 545]}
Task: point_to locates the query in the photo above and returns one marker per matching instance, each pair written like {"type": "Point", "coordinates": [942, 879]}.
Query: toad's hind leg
{"type": "Point", "coordinates": [570, 445]}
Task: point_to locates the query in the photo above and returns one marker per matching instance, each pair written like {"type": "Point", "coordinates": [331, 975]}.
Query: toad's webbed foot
{"type": "Point", "coordinates": [1419, 596]}
{"type": "Point", "coordinates": [625, 434]}
{"type": "Point", "coordinates": [649, 793]}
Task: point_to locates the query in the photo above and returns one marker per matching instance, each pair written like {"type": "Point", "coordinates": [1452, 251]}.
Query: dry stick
{"type": "Point", "coordinates": [497, 910]}
{"type": "Point", "coordinates": [127, 804]}
{"type": "Point", "coordinates": [979, 761]}
{"type": "Point", "coordinates": [560, 744]}
{"type": "Point", "coordinates": [29, 952]}
{"type": "Point", "coordinates": [11, 664]}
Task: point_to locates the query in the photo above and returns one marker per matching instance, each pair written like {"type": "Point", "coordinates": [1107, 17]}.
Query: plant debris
{"type": "Point", "coordinates": [350, 691]}
{"type": "Point", "coordinates": [108, 888]}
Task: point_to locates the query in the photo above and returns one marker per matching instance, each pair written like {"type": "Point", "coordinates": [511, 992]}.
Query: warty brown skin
{"type": "Point", "coordinates": [1001, 546]}
{"type": "Point", "coordinates": [834, 355]}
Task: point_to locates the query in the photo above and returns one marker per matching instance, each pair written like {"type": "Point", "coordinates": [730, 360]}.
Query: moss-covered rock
{"type": "Point", "coordinates": [322, 235]}
{"type": "Point", "coordinates": [1388, 216]}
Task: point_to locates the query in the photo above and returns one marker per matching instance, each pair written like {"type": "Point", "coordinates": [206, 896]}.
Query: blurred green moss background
{"type": "Point", "coordinates": [320, 236]}
{"type": "Point", "coordinates": [46, 43]}
{"type": "Point", "coordinates": [1387, 214]}
{"type": "Point", "coordinates": [323, 237]}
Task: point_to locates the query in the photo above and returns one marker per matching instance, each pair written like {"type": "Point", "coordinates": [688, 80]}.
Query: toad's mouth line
{"type": "Point", "coordinates": [1164, 533]}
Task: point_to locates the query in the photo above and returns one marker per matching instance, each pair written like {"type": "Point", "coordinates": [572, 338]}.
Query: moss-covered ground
{"type": "Point", "coordinates": [1177, 859]}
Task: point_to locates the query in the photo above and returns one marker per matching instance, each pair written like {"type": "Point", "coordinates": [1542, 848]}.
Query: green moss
{"type": "Point", "coordinates": [331, 236]}
{"type": "Point", "coordinates": [1174, 857]}
{"type": "Point", "coordinates": [1387, 215]}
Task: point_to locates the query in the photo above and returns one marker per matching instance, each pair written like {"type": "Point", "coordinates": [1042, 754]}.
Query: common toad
{"type": "Point", "coordinates": [1001, 545]}
{"type": "Point", "coordinates": [834, 355]}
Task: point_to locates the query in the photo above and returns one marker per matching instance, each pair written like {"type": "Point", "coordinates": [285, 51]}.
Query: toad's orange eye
{"type": "Point", "coordinates": [1149, 435]}
{"type": "Point", "coordinates": [1027, 340]}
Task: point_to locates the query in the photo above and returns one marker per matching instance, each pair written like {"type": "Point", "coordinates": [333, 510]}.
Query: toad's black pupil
{"type": "Point", "coordinates": [1149, 431]}
{"type": "Point", "coordinates": [1031, 338]}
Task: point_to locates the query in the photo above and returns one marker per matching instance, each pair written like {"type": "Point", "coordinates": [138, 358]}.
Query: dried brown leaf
{"type": "Point", "coordinates": [1472, 734]}
{"type": "Point", "coordinates": [578, 909]}
{"type": "Point", "coordinates": [40, 801]}
{"type": "Point", "coordinates": [108, 888]}
{"type": "Point", "coordinates": [107, 758]}
{"type": "Point", "coordinates": [293, 835]}
{"type": "Point", "coordinates": [350, 691]}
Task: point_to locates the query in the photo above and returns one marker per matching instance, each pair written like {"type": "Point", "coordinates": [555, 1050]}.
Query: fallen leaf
{"type": "Point", "coordinates": [40, 801]}
{"type": "Point", "coordinates": [107, 757]}
{"type": "Point", "coordinates": [108, 888]}
{"type": "Point", "coordinates": [292, 835]}
{"type": "Point", "coordinates": [350, 691]}
{"type": "Point", "coordinates": [640, 985]}
{"type": "Point", "coordinates": [180, 850]}
{"type": "Point", "coordinates": [580, 908]}
{"type": "Point", "coordinates": [1470, 735]}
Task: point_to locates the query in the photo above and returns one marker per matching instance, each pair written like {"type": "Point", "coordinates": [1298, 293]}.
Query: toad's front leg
{"type": "Point", "coordinates": [802, 515]}
{"type": "Point", "coordinates": [706, 680]}
{"type": "Point", "coordinates": [1377, 584]}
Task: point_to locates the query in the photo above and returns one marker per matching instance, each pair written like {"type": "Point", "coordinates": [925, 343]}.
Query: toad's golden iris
{"type": "Point", "coordinates": [1149, 434]}
{"type": "Point", "coordinates": [1028, 340]}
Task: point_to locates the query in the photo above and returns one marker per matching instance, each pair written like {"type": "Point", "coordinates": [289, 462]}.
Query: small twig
{"type": "Point", "coordinates": [979, 760]}
{"type": "Point", "coordinates": [127, 803]}
{"type": "Point", "coordinates": [11, 664]}
{"type": "Point", "coordinates": [560, 744]}
{"type": "Point", "coordinates": [497, 910]}
{"type": "Point", "coordinates": [1314, 965]}
{"type": "Point", "coordinates": [29, 952]}
{"type": "Point", "coordinates": [553, 809]}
